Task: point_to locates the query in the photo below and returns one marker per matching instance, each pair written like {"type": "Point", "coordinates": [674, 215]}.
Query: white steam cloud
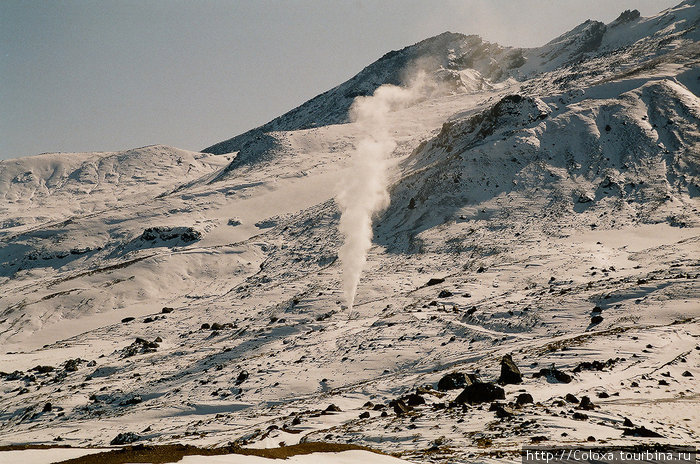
{"type": "Point", "coordinates": [364, 193]}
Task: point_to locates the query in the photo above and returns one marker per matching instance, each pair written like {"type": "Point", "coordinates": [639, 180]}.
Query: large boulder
{"type": "Point", "coordinates": [523, 398]}
{"type": "Point", "coordinates": [481, 392]}
{"type": "Point", "coordinates": [455, 380]}
{"type": "Point", "coordinates": [510, 374]}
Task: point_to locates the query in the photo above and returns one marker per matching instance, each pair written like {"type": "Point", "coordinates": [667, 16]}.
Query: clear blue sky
{"type": "Point", "coordinates": [102, 75]}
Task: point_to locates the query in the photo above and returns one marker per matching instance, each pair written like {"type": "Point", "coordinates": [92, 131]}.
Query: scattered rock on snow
{"type": "Point", "coordinates": [553, 375]}
{"type": "Point", "coordinates": [510, 374]}
{"type": "Point", "coordinates": [502, 411]}
{"type": "Point", "coordinates": [641, 431]}
{"type": "Point", "coordinates": [413, 399]}
{"type": "Point", "coordinates": [185, 234]}
{"type": "Point", "coordinates": [455, 380]}
{"type": "Point", "coordinates": [481, 392]}
{"type": "Point", "coordinates": [400, 407]}
{"type": "Point", "coordinates": [332, 408]}
{"type": "Point", "coordinates": [140, 346]}
{"type": "Point", "coordinates": [586, 404]}
{"type": "Point", "coordinates": [42, 369]}
{"type": "Point", "coordinates": [124, 439]}
{"type": "Point", "coordinates": [72, 365]}
{"type": "Point", "coordinates": [16, 375]}
{"type": "Point", "coordinates": [596, 365]}
{"type": "Point", "coordinates": [242, 377]}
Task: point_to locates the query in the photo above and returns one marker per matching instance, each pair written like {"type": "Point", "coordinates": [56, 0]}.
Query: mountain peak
{"type": "Point", "coordinates": [445, 51]}
{"type": "Point", "coordinates": [626, 17]}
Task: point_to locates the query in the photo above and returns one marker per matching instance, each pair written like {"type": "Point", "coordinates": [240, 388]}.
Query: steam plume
{"type": "Point", "coordinates": [364, 193]}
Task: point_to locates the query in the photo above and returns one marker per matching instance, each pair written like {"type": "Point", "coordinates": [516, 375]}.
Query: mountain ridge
{"type": "Point", "coordinates": [457, 53]}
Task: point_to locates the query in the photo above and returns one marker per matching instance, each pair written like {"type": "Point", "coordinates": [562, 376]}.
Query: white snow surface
{"type": "Point", "coordinates": [542, 196]}
{"type": "Point", "coordinates": [344, 457]}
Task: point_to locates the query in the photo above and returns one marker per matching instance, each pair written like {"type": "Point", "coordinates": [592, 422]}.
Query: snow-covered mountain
{"type": "Point", "coordinates": [544, 205]}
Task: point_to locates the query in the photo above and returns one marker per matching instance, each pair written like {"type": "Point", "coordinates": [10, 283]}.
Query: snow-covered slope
{"type": "Point", "coordinates": [468, 64]}
{"type": "Point", "coordinates": [66, 184]}
{"type": "Point", "coordinates": [548, 211]}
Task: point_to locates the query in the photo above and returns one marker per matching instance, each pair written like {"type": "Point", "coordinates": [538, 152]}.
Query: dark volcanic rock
{"type": "Point", "coordinates": [413, 399]}
{"type": "Point", "coordinates": [124, 438]}
{"type": "Point", "coordinates": [586, 404]}
{"type": "Point", "coordinates": [16, 375]}
{"type": "Point", "coordinates": [434, 281]}
{"type": "Point", "coordinates": [445, 294]}
{"type": "Point", "coordinates": [524, 398]}
{"type": "Point", "coordinates": [400, 408]}
{"type": "Point", "coordinates": [332, 408]}
{"type": "Point", "coordinates": [140, 346]}
{"type": "Point", "coordinates": [242, 377]}
{"type": "Point", "coordinates": [579, 416]}
{"type": "Point", "coordinates": [455, 380]}
{"type": "Point", "coordinates": [364, 415]}
{"type": "Point", "coordinates": [596, 365]}
{"type": "Point", "coordinates": [503, 411]}
{"type": "Point", "coordinates": [42, 369]}
{"type": "Point", "coordinates": [481, 392]}
{"type": "Point", "coordinates": [571, 398]}
{"type": "Point", "coordinates": [131, 401]}
{"type": "Point", "coordinates": [553, 375]}
{"type": "Point", "coordinates": [72, 365]}
{"type": "Point", "coordinates": [510, 374]}
{"type": "Point", "coordinates": [185, 234]}
{"type": "Point", "coordinates": [641, 431]}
